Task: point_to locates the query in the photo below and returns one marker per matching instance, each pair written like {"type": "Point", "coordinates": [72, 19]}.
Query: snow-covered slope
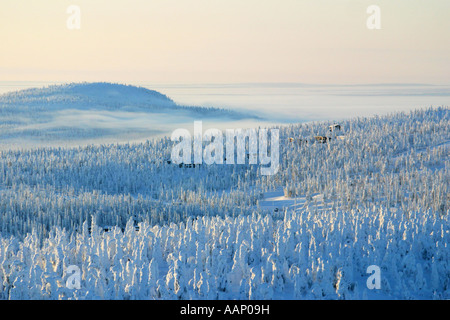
{"type": "Point", "coordinates": [138, 227]}
{"type": "Point", "coordinates": [108, 95]}
{"type": "Point", "coordinates": [83, 113]}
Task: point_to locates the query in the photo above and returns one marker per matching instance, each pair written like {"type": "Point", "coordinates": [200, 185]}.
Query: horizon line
{"type": "Point", "coordinates": [262, 83]}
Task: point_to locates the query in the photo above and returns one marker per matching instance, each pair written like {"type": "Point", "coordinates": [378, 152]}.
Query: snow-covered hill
{"type": "Point", "coordinates": [101, 94]}
{"type": "Point", "coordinates": [84, 113]}
{"type": "Point", "coordinates": [138, 227]}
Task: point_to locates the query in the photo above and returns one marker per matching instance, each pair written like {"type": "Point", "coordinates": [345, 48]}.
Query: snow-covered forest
{"type": "Point", "coordinates": [140, 228]}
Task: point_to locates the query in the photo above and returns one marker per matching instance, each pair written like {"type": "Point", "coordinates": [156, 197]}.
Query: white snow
{"type": "Point", "coordinates": [378, 197]}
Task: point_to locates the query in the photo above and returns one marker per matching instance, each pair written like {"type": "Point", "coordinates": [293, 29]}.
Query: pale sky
{"type": "Point", "coordinates": [220, 41]}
